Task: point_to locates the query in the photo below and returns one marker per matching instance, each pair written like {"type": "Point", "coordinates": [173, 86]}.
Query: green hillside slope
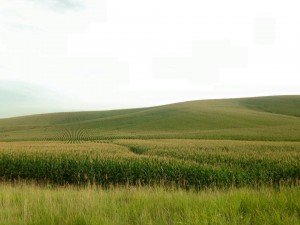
{"type": "Point", "coordinates": [287, 105]}
{"type": "Point", "coordinates": [262, 118]}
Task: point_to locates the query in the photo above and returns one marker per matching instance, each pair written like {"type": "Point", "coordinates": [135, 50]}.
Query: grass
{"type": "Point", "coordinates": [32, 204]}
{"type": "Point", "coordinates": [266, 118]}
{"type": "Point", "coordinates": [279, 105]}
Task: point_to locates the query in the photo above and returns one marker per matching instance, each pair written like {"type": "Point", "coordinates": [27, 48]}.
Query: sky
{"type": "Point", "coordinates": [73, 55]}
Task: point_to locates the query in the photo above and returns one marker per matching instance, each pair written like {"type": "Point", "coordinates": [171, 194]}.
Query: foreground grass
{"type": "Point", "coordinates": [30, 204]}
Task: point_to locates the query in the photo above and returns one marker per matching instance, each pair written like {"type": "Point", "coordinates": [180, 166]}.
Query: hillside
{"type": "Point", "coordinates": [286, 105]}
{"type": "Point", "coordinates": [261, 118]}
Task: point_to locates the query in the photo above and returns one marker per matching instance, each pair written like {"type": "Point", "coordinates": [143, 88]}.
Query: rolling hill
{"type": "Point", "coordinates": [262, 118]}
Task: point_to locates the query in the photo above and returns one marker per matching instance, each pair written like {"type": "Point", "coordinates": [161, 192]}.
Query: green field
{"type": "Point", "coordinates": [30, 204]}
{"type": "Point", "coordinates": [235, 151]}
{"type": "Point", "coordinates": [183, 163]}
{"type": "Point", "coordinates": [266, 118]}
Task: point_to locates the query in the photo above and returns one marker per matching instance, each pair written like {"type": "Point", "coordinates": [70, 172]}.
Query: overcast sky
{"type": "Point", "coordinates": [60, 55]}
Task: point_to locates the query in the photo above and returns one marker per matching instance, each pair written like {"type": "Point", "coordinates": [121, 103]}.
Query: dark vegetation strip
{"type": "Point", "coordinates": [68, 169]}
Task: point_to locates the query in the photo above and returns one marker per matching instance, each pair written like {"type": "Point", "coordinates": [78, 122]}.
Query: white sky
{"type": "Point", "coordinates": [105, 54]}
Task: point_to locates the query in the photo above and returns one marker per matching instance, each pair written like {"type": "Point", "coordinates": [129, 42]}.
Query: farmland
{"type": "Point", "coordinates": [183, 163]}
{"type": "Point", "coordinates": [259, 119]}
{"type": "Point", "coordinates": [237, 149]}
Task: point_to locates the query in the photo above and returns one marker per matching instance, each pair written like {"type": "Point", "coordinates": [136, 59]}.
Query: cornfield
{"type": "Point", "coordinates": [182, 163]}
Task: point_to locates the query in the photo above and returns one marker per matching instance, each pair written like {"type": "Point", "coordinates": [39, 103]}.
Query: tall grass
{"type": "Point", "coordinates": [31, 204]}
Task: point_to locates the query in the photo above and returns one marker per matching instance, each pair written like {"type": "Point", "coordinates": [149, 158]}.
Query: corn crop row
{"type": "Point", "coordinates": [70, 169]}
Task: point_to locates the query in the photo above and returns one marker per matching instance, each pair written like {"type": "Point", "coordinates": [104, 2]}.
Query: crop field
{"type": "Point", "coordinates": [243, 150]}
{"type": "Point", "coordinates": [258, 119]}
{"type": "Point", "coordinates": [183, 163]}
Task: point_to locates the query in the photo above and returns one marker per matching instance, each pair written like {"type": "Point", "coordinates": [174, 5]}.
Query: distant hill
{"type": "Point", "coordinates": [286, 105]}
{"type": "Point", "coordinates": [261, 118]}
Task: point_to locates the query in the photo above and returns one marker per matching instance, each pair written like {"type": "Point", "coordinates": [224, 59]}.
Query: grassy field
{"type": "Point", "coordinates": [266, 118]}
{"type": "Point", "coordinates": [234, 161]}
{"type": "Point", "coordinates": [29, 204]}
